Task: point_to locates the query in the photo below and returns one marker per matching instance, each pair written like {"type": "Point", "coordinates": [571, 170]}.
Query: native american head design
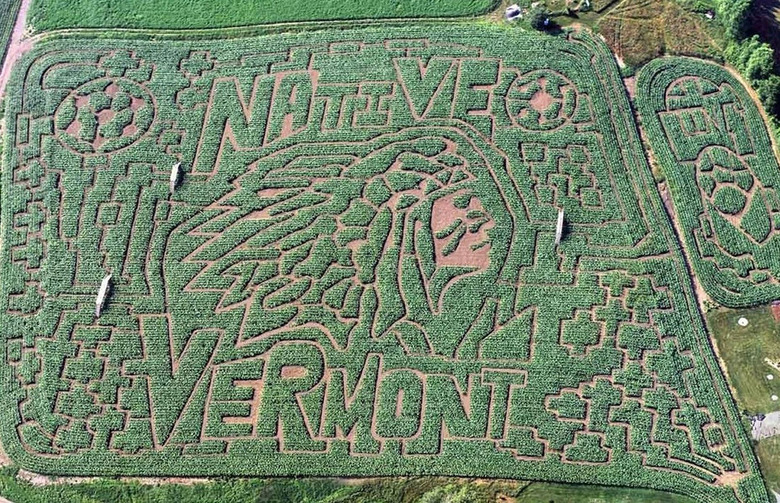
{"type": "Point", "coordinates": [402, 236]}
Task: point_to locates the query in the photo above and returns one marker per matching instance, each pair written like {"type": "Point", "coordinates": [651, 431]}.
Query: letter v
{"type": "Point", "coordinates": [172, 380]}
{"type": "Point", "coordinates": [420, 83]}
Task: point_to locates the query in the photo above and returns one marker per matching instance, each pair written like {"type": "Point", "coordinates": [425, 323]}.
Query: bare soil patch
{"type": "Point", "coordinates": [776, 310]}
{"type": "Point", "coordinates": [630, 83]}
{"type": "Point", "coordinates": [293, 372]}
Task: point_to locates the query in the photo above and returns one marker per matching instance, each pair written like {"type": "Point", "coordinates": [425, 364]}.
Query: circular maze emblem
{"type": "Point", "coordinates": [104, 115]}
{"type": "Point", "coordinates": [541, 100]}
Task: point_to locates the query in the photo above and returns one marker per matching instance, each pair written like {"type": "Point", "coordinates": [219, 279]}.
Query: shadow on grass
{"type": "Point", "coordinates": [765, 20]}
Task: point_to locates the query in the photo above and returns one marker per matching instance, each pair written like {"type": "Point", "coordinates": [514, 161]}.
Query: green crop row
{"type": "Point", "coordinates": [8, 11]}
{"type": "Point", "coordinates": [182, 14]}
{"type": "Point", "coordinates": [357, 273]}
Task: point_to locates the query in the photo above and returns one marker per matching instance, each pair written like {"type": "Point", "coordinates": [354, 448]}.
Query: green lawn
{"type": "Point", "coordinates": [744, 349]}
{"type": "Point", "coordinates": [417, 490]}
{"type": "Point", "coordinates": [768, 452]}
{"type": "Point", "coordinates": [188, 14]}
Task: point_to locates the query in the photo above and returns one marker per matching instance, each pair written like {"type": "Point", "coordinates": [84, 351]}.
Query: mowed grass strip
{"type": "Point", "coordinates": [189, 14]}
{"type": "Point", "coordinates": [546, 493]}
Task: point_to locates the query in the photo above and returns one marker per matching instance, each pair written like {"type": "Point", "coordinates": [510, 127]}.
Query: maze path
{"type": "Point", "coordinates": [357, 274]}
{"type": "Point", "coordinates": [713, 146]}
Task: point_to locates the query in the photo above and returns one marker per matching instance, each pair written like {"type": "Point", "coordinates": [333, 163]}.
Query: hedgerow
{"type": "Point", "coordinates": [357, 273]}
{"type": "Point", "coordinates": [714, 148]}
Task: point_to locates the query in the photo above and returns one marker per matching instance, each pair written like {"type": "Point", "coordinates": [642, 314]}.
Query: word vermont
{"type": "Point", "coordinates": [305, 405]}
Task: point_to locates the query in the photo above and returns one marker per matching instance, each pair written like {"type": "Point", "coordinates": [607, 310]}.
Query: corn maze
{"type": "Point", "coordinates": [715, 151]}
{"type": "Point", "coordinates": [356, 274]}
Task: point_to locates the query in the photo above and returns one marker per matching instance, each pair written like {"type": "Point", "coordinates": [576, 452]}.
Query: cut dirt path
{"type": "Point", "coordinates": [18, 46]}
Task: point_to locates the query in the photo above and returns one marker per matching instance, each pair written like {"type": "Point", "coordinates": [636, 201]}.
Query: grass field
{"type": "Point", "coordinates": [744, 350]}
{"type": "Point", "coordinates": [356, 273]}
{"type": "Point", "coordinates": [189, 14]}
{"type": "Point", "coordinates": [768, 451]}
{"type": "Point", "coordinates": [558, 493]}
{"type": "Point", "coordinates": [415, 490]}
{"type": "Point", "coordinates": [640, 30]}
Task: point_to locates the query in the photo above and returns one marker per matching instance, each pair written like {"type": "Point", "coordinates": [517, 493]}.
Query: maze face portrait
{"type": "Point", "coordinates": [393, 238]}
{"type": "Point", "coordinates": [356, 272]}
